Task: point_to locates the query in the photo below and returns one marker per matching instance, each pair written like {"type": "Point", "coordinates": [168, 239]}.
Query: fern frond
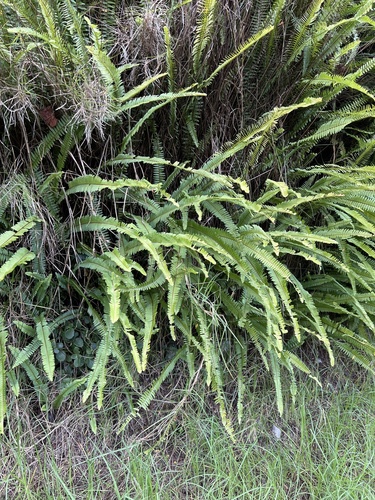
{"type": "Point", "coordinates": [123, 364]}
{"type": "Point", "coordinates": [71, 387]}
{"type": "Point", "coordinates": [34, 375]}
{"type": "Point", "coordinates": [356, 356]}
{"type": "Point", "coordinates": [171, 71]}
{"type": "Point", "coordinates": [17, 231]}
{"type": "Point", "coordinates": [133, 343]}
{"type": "Point", "coordinates": [49, 141]}
{"type": "Point", "coordinates": [98, 373]}
{"type": "Point", "coordinates": [22, 256]}
{"type": "Point", "coordinates": [203, 32]}
{"type": "Point", "coordinates": [175, 290]}
{"type": "Point", "coordinates": [337, 124]}
{"type": "Point", "coordinates": [136, 127]}
{"type": "Point", "coordinates": [94, 183]}
{"type": "Point", "coordinates": [27, 352]}
{"type": "Point", "coordinates": [149, 315]}
{"type": "Point", "coordinates": [74, 21]}
{"type": "Point", "coordinates": [46, 350]}
{"type": "Point", "coordinates": [341, 81]}
{"type": "Point", "coordinates": [113, 283]}
{"type": "Point", "coordinates": [149, 395]}
{"type": "Point", "coordinates": [111, 75]}
{"type": "Point", "coordinates": [24, 328]}
{"type": "Point", "coordinates": [256, 132]}
{"type": "Point", "coordinates": [245, 46]}
{"type": "Point", "coordinates": [301, 39]}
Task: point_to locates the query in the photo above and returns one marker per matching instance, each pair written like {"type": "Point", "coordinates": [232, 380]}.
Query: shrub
{"type": "Point", "coordinates": [177, 208]}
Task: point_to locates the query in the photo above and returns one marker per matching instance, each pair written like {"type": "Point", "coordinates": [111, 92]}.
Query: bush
{"type": "Point", "coordinates": [168, 205]}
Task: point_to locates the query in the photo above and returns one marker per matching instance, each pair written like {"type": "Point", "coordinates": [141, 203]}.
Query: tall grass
{"type": "Point", "coordinates": [325, 449]}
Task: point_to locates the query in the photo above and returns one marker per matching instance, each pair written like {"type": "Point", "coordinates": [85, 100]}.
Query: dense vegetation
{"type": "Point", "coordinates": [183, 184]}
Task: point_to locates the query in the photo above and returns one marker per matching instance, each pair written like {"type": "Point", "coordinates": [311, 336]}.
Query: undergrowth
{"type": "Point", "coordinates": [323, 447]}
{"type": "Point", "coordinates": [183, 183]}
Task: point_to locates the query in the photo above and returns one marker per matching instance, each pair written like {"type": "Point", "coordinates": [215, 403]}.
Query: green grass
{"type": "Point", "coordinates": [326, 450]}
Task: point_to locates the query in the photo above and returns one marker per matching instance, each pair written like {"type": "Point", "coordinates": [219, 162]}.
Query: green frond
{"type": "Point", "coordinates": [275, 370]}
{"type": "Point", "coordinates": [296, 361]}
{"type": "Point", "coordinates": [341, 81]}
{"type": "Point", "coordinates": [342, 120]}
{"type": "Point", "coordinates": [205, 340]}
{"type": "Point", "coordinates": [129, 97]}
{"type": "Point", "coordinates": [126, 265]}
{"type": "Point", "coordinates": [94, 183]}
{"type": "Point", "coordinates": [171, 72]}
{"type": "Point", "coordinates": [49, 141]}
{"type": "Point", "coordinates": [14, 382]}
{"type": "Point", "coordinates": [113, 283]}
{"type": "Point", "coordinates": [64, 393]}
{"type": "Point", "coordinates": [314, 319]}
{"type": "Point", "coordinates": [20, 257]}
{"type": "Point", "coordinates": [203, 34]}
{"type": "Point", "coordinates": [111, 75]}
{"type": "Point", "coordinates": [30, 32]}
{"type": "Point", "coordinates": [149, 395]}
{"type": "Point", "coordinates": [132, 340]}
{"type": "Point", "coordinates": [74, 134]}
{"type": "Point", "coordinates": [166, 97]}
{"type": "Point", "coordinates": [47, 13]}
{"type": "Point", "coordinates": [221, 400]}
{"type": "Point", "coordinates": [17, 231]}
{"type": "Point", "coordinates": [255, 133]}
{"type": "Point", "coordinates": [357, 356]}
{"type": "Point", "coordinates": [301, 38]}
{"type": "Point", "coordinates": [149, 315]}
{"type": "Point", "coordinates": [46, 350]}
{"type": "Point", "coordinates": [99, 369]}
{"type": "Point", "coordinates": [165, 100]}
{"type": "Point", "coordinates": [123, 364]}
{"type": "Point", "coordinates": [245, 46]}
{"type": "Point", "coordinates": [24, 328]}
{"type": "Point", "coordinates": [27, 352]}
{"type": "Point", "coordinates": [35, 376]}
{"type": "Point", "coordinates": [74, 20]}
{"type": "Point", "coordinates": [175, 290]}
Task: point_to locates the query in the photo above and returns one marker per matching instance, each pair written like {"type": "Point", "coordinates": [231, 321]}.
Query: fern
{"type": "Point", "coordinates": [71, 387]}
{"type": "Point", "coordinates": [98, 373]}
{"type": "Point", "coordinates": [46, 350]}
{"type": "Point", "coordinates": [249, 43]}
{"type": "Point", "coordinates": [149, 395]}
{"type": "Point", "coordinates": [335, 125]}
{"type": "Point", "coordinates": [149, 315]}
{"type": "Point", "coordinates": [187, 233]}
{"type": "Point", "coordinates": [17, 230]}
{"type": "Point", "coordinates": [20, 257]}
{"type": "Point", "coordinates": [132, 340]}
{"type": "Point", "coordinates": [49, 141]}
{"type": "Point", "coordinates": [34, 375]}
{"type": "Point", "coordinates": [27, 352]}
{"type": "Point", "coordinates": [203, 32]}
